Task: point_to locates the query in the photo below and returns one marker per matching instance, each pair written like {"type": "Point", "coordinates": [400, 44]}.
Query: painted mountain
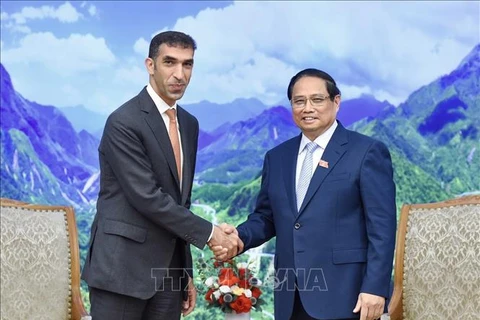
{"type": "Point", "coordinates": [235, 153]}
{"type": "Point", "coordinates": [82, 118]}
{"type": "Point", "coordinates": [366, 106]}
{"type": "Point", "coordinates": [437, 130]}
{"type": "Point", "coordinates": [212, 115]}
{"type": "Point", "coordinates": [44, 160]}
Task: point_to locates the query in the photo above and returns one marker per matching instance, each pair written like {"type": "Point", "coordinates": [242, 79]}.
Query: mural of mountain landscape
{"type": "Point", "coordinates": [48, 156]}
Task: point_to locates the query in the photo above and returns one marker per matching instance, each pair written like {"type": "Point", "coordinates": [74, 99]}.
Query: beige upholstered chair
{"type": "Point", "coordinates": [39, 263]}
{"type": "Point", "coordinates": [12, 202]}
{"type": "Point", "coordinates": [437, 262]}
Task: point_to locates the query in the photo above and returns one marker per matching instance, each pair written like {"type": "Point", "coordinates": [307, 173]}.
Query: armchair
{"type": "Point", "coordinates": [40, 271]}
{"type": "Point", "coordinates": [437, 268]}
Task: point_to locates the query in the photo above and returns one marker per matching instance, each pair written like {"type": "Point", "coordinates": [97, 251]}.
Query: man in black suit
{"type": "Point", "coordinates": [139, 265]}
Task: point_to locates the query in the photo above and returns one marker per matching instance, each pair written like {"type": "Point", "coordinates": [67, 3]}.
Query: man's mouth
{"type": "Point", "coordinates": [177, 86]}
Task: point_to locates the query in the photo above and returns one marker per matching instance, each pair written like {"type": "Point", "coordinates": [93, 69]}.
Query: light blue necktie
{"type": "Point", "coordinates": [305, 174]}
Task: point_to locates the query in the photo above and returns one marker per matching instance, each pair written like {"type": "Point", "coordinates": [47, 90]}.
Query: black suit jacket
{"type": "Point", "coordinates": [141, 211]}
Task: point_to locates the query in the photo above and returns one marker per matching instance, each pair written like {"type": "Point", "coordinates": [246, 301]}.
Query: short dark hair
{"type": "Point", "coordinates": [172, 39]}
{"type": "Point", "coordinates": [332, 88]}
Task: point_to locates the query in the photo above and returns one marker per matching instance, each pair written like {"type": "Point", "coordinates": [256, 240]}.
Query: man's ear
{"type": "Point", "coordinates": [337, 101]}
{"type": "Point", "coordinates": [150, 65]}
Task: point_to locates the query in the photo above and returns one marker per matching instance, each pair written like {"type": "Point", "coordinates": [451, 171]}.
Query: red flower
{"type": "Point", "coordinates": [220, 300]}
{"type": "Point", "coordinates": [242, 272]}
{"type": "Point", "coordinates": [256, 292]}
{"type": "Point", "coordinates": [208, 295]}
{"type": "Point", "coordinates": [244, 284]}
{"type": "Point", "coordinates": [227, 277]}
{"type": "Point", "coordinates": [242, 304]}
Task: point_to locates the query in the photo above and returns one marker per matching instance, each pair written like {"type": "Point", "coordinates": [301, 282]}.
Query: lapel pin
{"type": "Point", "coordinates": [323, 163]}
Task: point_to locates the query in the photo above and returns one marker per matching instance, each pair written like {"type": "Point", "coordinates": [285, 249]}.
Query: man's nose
{"type": "Point", "coordinates": [308, 106]}
{"type": "Point", "coordinates": [178, 72]}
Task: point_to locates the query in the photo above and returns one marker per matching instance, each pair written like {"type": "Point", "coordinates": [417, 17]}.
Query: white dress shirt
{"type": "Point", "coordinates": [322, 142]}
{"type": "Point", "coordinates": [162, 107]}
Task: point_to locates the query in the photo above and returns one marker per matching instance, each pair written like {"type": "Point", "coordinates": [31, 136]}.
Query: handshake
{"type": "Point", "coordinates": [225, 243]}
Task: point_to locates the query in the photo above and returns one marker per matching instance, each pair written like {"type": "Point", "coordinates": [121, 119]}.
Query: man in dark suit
{"type": "Point", "coordinates": [139, 265]}
{"type": "Point", "coordinates": [329, 198]}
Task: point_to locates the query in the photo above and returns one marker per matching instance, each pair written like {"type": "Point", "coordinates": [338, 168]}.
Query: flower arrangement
{"type": "Point", "coordinates": [231, 287]}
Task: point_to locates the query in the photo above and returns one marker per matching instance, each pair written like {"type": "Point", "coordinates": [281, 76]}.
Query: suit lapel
{"type": "Point", "coordinates": [333, 152]}
{"type": "Point", "coordinates": [156, 124]}
{"type": "Point", "coordinates": [186, 137]}
{"type": "Point", "coordinates": [290, 168]}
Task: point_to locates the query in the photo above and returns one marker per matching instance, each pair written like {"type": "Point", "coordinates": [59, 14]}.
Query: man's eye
{"type": "Point", "coordinates": [168, 62]}
{"type": "Point", "coordinates": [318, 100]}
{"type": "Point", "coordinates": [299, 101]}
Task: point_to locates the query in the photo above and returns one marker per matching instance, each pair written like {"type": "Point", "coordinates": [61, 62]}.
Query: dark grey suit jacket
{"type": "Point", "coordinates": [141, 212]}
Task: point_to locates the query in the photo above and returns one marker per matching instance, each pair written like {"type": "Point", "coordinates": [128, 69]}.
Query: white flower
{"type": "Point", "coordinates": [210, 281]}
{"type": "Point", "coordinates": [242, 265]}
{"type": "Point", "coordinates": [225, 289]}
{"type": "Point", "coordinates": [217, 294]}
{"type": "Point", "coordinates": [248, 293]}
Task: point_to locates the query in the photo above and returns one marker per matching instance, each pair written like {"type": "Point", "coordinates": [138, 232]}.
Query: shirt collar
{"type": "Point", "coordinates": [322, 140]}
{"type": "Point", "coordinates": [161, 105]}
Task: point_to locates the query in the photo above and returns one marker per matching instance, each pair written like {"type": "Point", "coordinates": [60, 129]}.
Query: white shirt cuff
{"type": "Point", "coordinates": [211, 233]}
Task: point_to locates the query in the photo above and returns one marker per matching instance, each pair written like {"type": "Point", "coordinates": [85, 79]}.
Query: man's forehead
{"type": "Point", "coordinates": [309, 90]}
{"type": "Point", "coordinates": [175, 51]}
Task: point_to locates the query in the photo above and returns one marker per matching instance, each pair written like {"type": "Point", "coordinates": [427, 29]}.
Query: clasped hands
{"type": "Point", "coordinates": [225, 243]}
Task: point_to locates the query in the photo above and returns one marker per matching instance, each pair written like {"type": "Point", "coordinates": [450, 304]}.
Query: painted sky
{"type": "Point", "coordinates": [92, 53]}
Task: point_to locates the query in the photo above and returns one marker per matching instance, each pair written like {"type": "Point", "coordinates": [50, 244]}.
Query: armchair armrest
{"type": "Point", "coordinates": [395, 308]}
{"type": "Point", "coordinates": [78, 309]}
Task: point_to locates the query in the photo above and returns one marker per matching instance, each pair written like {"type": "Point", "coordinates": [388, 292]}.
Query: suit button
{"type": "Point", "coordinates": [297, 226]}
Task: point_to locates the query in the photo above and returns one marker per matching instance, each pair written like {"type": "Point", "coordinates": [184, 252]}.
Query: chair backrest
{"type": "Point", "coordinates": [39, 262]}
{"type": "Point", "coordinates": [437, 267]}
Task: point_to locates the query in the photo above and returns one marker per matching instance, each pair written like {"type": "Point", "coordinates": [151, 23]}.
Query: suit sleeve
{"type": "Point", "coordinates": [378, 197]}
{"type": "Point", "coordinates": [188, 202]}
{"type": "Point", "coordinates": [259, 226]}
{"type": "Point", "coordinates": [125, 153]}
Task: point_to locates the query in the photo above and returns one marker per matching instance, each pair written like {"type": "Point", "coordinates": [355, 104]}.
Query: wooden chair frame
{"type": "Point", "coordinates": [395, 308]}
{"type": "Point", "coordinates": [78, 309]}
